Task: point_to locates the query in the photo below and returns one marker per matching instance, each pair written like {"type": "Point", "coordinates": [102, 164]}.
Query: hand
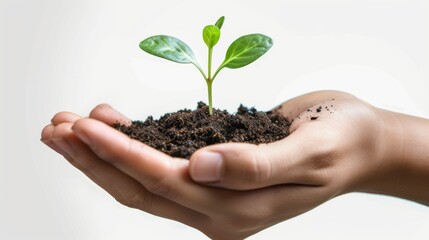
{"type": "Point", "coordinates": [322, 158]}
{"type": "Point", "coordinates": [336, 142]}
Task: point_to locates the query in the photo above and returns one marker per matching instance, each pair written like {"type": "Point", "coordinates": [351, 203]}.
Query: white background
{"type": "Point", "coordinates": [72, 55]}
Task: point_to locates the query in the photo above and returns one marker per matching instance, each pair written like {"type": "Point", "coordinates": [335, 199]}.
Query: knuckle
{"type": "Point", "coordinates": [263, 163]}
{"type": "Point", "coordinates": [246, 219]}
{"type": "Point", "coordinates": [86, 167]}
{"type": "Point", "coordinates": [75, 163]}
{"type": "Point", "coordinates": [132, 148]}
{"type": "Point", "coordinates": [325, 142]}
{"type": "Point", "coordinates": [163, 184]}
{"type": "Point", "coordinates": [161, 188]}
{"type": "Point", "coordinates": [326, 149]}
{"type": "Point", "coordinates": [62, 130]}
{"type": "Point", "coordinates": [137, 200]}
{"type": "Point", "coordinates": [256, 167]}
{"type": "Point", "coordinates": [114, 155]}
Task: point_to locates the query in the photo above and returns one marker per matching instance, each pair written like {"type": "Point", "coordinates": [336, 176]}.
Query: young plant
{"type": "Point", "coordinates": [241, 52]}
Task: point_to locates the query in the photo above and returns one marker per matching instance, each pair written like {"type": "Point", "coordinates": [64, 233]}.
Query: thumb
{"type": "Point", "coordinates": [243, 166]}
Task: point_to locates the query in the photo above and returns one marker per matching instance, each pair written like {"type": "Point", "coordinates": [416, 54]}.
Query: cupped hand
{"type": "Point", "coordinates": [233, 190]}
{"type": "Point", "coordinates": [336, 142]}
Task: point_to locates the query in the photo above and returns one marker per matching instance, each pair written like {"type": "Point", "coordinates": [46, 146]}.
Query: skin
{"type": "Point", "coordinates": [352, 147]}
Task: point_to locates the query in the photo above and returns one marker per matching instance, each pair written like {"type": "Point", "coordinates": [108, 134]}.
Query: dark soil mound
{"type": "Point", "coordinates": [181, 133]}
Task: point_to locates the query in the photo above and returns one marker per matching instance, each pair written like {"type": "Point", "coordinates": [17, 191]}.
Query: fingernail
{"type": "Point", "coordinates": [64, 145]}
{"type": "Point", "coordinates": [207, 167]}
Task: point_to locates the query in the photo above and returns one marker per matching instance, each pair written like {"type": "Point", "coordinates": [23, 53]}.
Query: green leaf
{"type": "Point", "coordinates": [246, 49]}
{"type": "Point", "coordinates": [211, 35]}
{"type": "Point", "coordinates": [219, 22]}
{"type": "Point", "coordinates": [169, 48]}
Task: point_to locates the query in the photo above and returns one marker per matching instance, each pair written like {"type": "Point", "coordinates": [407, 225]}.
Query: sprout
{"type": "Point", "coordinates": [241, 52]}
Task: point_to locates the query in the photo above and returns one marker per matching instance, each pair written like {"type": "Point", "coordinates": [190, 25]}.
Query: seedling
{"type": "Point", "coordinates": [241, 52]}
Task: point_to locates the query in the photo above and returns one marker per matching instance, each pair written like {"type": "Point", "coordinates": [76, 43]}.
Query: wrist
{"type": "Point", "coordinates": [403, 168]}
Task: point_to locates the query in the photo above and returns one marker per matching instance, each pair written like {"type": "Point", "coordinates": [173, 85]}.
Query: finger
{"type": "Point", "coordinates": [47, 132]}
{"type": "Point", "coordinates": [169, 177]}
{"type": "Point", "coordinates": [244, 166]}
{"type": "Point", "coordinates": [58, 118]}
{"type": "Point", "coordinates": [105, 113]}
{"type": "Point", "coordinates": [62, 117]}
{"type": "Point", "coordinates": [158, 172]}
{"type": "Point", "coordinates": [46, 139]}
{"type": "Point", "coordinates": [295, 106]}
{"type": "Point", "coordinates": [123, 188]}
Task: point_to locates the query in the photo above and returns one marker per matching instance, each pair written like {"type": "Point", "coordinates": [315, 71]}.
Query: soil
{"type": "Point", "coordinates": [181, 133]}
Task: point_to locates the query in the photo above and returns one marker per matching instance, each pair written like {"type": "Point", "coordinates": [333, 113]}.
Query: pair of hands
{"type": "Point", "coordinates": [233, 190]}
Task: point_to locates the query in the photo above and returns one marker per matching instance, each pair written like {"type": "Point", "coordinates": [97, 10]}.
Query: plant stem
{"type": "Point", "coordinates": [209, 80]}
{"type": "Point", "coordinates": [209, 87]}
{"type": "Point", "coordinates": [210, 63]}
